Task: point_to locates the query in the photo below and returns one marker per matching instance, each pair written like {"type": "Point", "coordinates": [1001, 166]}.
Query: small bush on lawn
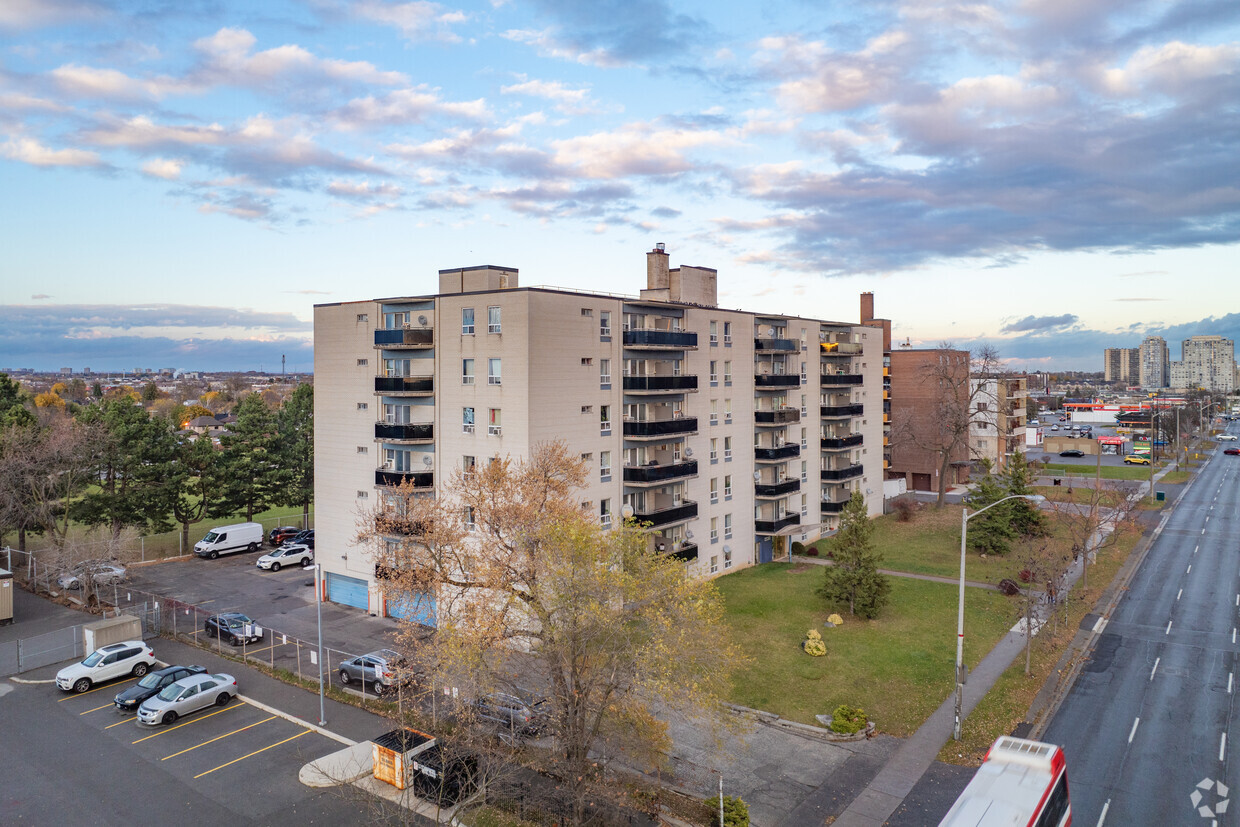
{"type": "Point", "coordinates": [797, 547]}
{"type": "Point", "coordinates": [847, 720]}
{"type": "Point", "coordinates": [813, 645]}
{"type": "Point", "coordinates": [735, 810]}
{"type": "Point", "coordinates": [812, 551]}
{"type": "Point", "coordinates": [904, 508]}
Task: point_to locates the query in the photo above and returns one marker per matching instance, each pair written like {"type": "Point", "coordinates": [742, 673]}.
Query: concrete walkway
{"type": "Point", "coordinates": [937, 578]}
{"type": "Point", "coordinates": [875, 804]}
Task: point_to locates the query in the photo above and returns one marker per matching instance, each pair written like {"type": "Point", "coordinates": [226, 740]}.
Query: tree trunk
{"type": "Point", "coordinates": [1028, 633]}
{"type": "Point", "coordinates": [943, 466]}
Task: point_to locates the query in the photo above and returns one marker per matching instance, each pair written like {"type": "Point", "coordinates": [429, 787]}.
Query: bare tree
{"type": "Point", "coordinates": [1096, 518]}
{"type": "Point", "coordinates": [1041, 563]}
{"type": "Point", "coordinates": [530, 590]}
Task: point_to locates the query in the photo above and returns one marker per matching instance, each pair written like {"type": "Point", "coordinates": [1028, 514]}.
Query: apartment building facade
{"type": "Point", "coordinates": [997, 429]}
{"type": "Point", "coordinates": [1206, 363]}
{"type": "Point", "coordinates": [918, 404]}
{"type": "Point", "coordinates": [1121, 364]}
{"type": "Point", "coordinates": [730, 432]}
{"type": "Point", "coordinates": [1155, 362]}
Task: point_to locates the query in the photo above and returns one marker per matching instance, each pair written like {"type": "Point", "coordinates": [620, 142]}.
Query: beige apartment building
{"type": "Point", "coordinates": [730, 432]}
{"type": "Point", "coordinates": [997, 425]}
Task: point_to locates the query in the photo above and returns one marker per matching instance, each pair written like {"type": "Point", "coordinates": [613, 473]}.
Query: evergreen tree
{"type": "Point", "coordinates": [295, 425]}
{"type": "Point", "coordinates": [246, 477]}
{"type": "Point", "coordinates": [855, 580]}
{"type": "Point", "coordinates": [192, 483]}
{"type": "Point", "coordinates": [13, 410]}
{"type": "Point", "coordinates": [992, 532]}
{"type": "Point", "coordinates": [1017, 478]}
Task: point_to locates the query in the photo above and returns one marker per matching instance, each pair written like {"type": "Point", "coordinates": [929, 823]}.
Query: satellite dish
{"type": "Point", "coordinates": [727, 549]}
{"type": "Point", "coordinates": [688, 452]}
{"type": "Point", "coordinates": [428, 461]}
{"type": "Point", "coordinates": [689, 533]}
{"type": "Point", "coordinates": [770, 331]}
{"type": "Point", "coordinates": [757, 475]}
{"type": "Point", "coordinates": [422, 321]}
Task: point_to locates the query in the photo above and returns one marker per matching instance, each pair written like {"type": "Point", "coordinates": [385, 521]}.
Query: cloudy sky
{"type": "Point", "coordinates": [184, 179]}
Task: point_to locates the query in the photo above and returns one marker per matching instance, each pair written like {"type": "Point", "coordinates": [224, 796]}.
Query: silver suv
{"type": "Point", "coordinates": [526, 714]}
{"type": "Point", "coordinates": [383, 669]}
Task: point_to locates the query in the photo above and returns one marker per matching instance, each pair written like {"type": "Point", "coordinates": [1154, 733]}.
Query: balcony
{"type": "Point", "coordinates": [833, 507]}
{"type": "Point", "coordinates": [777, 380]}
{"type": "Point", "coordinates": [845, 473]}
{"type": "Point", "coordinates": [783, 416]}
{"type": "Point", "coordinates": [653, 474]}
{"type": "Point", "coordinates": [834, 443]}
{"type": "Point", "coordinates": [683, 550]}
{"type": "Point", "coordinates": [660, 340]}
{"type": "Point", "coordinates": [413, 432]}
{"type": "Point", "coordinates": [776, 345]}
{"type": "Point", "coordinates": [837, 411]}
{"type": "Point", "coordinates": [408, 338]}
{"type": "Point", "coordinates": [419, 479]}
{"type": "Point", "coordinates": [781, 452]}
{"type": "Point", "coordinates": [840, 348]}
{"type": "Point", "coordinates": [405, 385]}
{"type": "Point", "coordinates": [835, 380]}
{"type": "Point", "coordinates": [653, 428]}
{"type": "Point", "coordinates": [776, 526]}
{"type": "Point", "coordinates": [687, 510]}
{"type": "Point", "coordinates": [764, 490]}
{"type": "Point", "coordinates": [660, 384]}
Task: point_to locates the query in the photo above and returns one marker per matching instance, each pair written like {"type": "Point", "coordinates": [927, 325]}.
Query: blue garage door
{"type": "Point", "coordinates": [420, 608]}
{"type": "Point", "coordinates": [349, 591]}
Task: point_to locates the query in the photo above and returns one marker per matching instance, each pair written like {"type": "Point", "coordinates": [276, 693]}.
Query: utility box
{"type": "Point", "coordinates": [1160, 496]}
{"type": "Point", "coordinates": [6, 597]}
{"type": "Point", "coordinates": [112, 630]}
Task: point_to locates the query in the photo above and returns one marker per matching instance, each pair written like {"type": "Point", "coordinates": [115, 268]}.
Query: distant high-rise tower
{"type": "Point", "coordinates": [1121, 364]}
{"type": "Point", "coordinates": [1206, 362]}
{"type": "Point", "coordinates": [1155, 362]}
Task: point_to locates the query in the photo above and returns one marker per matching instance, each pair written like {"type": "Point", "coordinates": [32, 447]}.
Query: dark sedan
{"type": "Point", "coordinates": [132, 698]}
{"type": "Point", "coordinates": [301, 538]}
{"type": "Point", "coordinates": [1072, 452]}
{"type": "Point", "coordinates": [281, 533]}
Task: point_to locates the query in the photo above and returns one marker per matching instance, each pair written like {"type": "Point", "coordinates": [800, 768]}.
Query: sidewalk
{"type": "Point", "coordinates": [915, 756]}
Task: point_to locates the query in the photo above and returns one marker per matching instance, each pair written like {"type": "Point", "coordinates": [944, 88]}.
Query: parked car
{"type": "Point", "coordinates": [291, 555]}
{"type": "Point", "coordinates": [229, 538]}
{"type": "Point", "coordinates": [1136, 459]}
{"type": "Point", "coordinates": [281, 533]}
{"type": "Point", "coordinates": [233, 627]}
{"type": "Point", "coordinates": [383, 669]}
{"type": "Point", "coordinates": [185, 696]}
{"type": "Point", "coordinates": [99, 573]}
{"type": "Point", "coordinates": [152, 684]}
{"type": "Point", "coordinates": [130, 657]}
{"type": "Point", "coordinates": [524, 714]}
{"type": "Point", "coordinates": [1226, 437]}
{"type": "Point", "coordinates": [1054, 427]}
{"type": "Point", "coordinates": [1072, 452]}
{"type": "Point", "coordinates": [1232, 451]}
{"type": "Point", "coordinates": [303, 538]}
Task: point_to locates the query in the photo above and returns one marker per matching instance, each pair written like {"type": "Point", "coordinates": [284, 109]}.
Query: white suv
{"type": "Point", "coordinates": [297, 554]}
{"type": "Point", "coordinates": [131, 657]}
{"type": "Point", "coordinates": [1226, 437]}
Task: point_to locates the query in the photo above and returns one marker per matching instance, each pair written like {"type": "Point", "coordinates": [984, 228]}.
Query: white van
{"type": "Point", "coordinates": [230, 538]}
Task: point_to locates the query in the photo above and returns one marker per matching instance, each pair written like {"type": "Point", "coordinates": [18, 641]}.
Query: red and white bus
{"type": "Point", "coordinates": [1020, 784]}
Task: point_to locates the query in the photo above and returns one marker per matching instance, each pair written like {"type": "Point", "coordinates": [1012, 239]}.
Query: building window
{"type": "Point", "coordinates": [362, 495]}
{"type": "Point", "coordinates": [804, 410]}
{"type": "Point", "coordinates": [362, 449]}
{"type": "Point", "coordinates": [363, 317]}
{"type": "Point", "coordinates": [493, 320]}
{"type": "Point", "coordinates": [802, 371]}
{"type": "Point", "coordinates": [604, 371]}
{"type": "Point", "coordinates": [714, 333]}
{"type": "Point", "coordinates": [727, 557]}
{"type": "Point", "coordinates": [714, 489]}
{"type": "Point", "coordinates": [727, 411]}
{"type": "Point", "coordinates": [804, 471]}
{"type": "Point", "coordinates": [804, 443]}
{"type": "Point", "coordinates": [467, 321]}
{"type": "Point", "coordinates": [361, 406]}
{"type": "Point", "coordinates": [494, 372]}
{"type": "Point", "coordinates": [714, 449]}
{"type": "Point", "coordinates": [496, 426]}
{"type": "Point", "coordinates": [714, 412]}
{"type": "Point", "coordinates": [585, 409]}
{"type": "Point", "coordinates": [727, 486]}
{"type": "Point", "coordinates": [714, 529]}
{"type": "Point", "coordinates": [587, 312]}
{"type": "Point", "coordinates": [727, 526]}
{"type": "Point", "coordinates": [604, 465]}
{"type": "Point", "coordinates": [468, 464]}
{"type": "Point", "coordinates": [727, 372]}
{"type": "Point", "coordinates": [727, 449]}
{"type": "Point", "coordinates": [467, 420]}
{"type": "Point", "coordinates": [467, 371]}
{"type": "Point", "coordinates": [604, 323]}
{"type": "Point", "coordinates": [604, 513]}
{"type": "Point", "coordinates": [468, 517]}
{"type": "Point", "coordinates": [586, 361]}
{"type": "Point", "coordinates": [727, 334]}
{"type": "Point", "coordinates": [604, 418]}
{"type": "Point", "coordinates": [714, 371]}
{"type": "Point", "coordinates": [714, 564]}
{"type": "Point", "coordinates": [804, 504]}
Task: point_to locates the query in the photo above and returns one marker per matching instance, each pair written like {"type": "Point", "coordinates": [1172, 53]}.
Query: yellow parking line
{"type": "Point", "coordinates": [88, 691]}
{"type": "Point", "coordinates": [118, 723]}
{"type": "Point", "coordinates": [213, 740]}
{"type": "Point", "coordinates": [255, 752]}
{"type": "Point", "coordinates": [96, 709]}
{"type": "Point", "coordinates": [187, 723]}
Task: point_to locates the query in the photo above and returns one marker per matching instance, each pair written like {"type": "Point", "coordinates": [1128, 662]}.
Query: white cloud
{"type": "Point", "coordinates": [29, 14]}
{"type": "Point", "coordinates": [167, 168]}
{"type": "Point", "coordinates": [88, 81]}
{"type": "Point", "coordinates": [416, 20]}
{"type": "Point", "coordinates": [636, 149]}
{"type": "Point", "coordinates": [229, 60]}
{"type": "Point", "coordinates": [363, 190]}
{"type": "Point", "coordinates": [552, 90]}
{"type": "Point", "coordinates": [141, 132]}
{"type": "Point", "coordinates": [1172, 68]}
{"type": "Point", "coordinates": [30, 151]}
{"type": "Point", "coordinates": [548, 45]}
{"type": "Point", "coordinates": [403, 106]}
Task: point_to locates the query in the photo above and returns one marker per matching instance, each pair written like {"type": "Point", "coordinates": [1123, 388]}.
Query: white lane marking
{"type": "Point", "coordinates": [1203, 531]}
{"type": "Point", "coordinates": [1180, 592]}
{"type": "Point", "coordinates": [1099, 625]}
{"type": "Point", "coordinates": [1195, 549]}
{"type": "Point", "coordinates": [1222, 746]}
{"type": "Point", "coordinates": [1230, 676]}
{"type": "Point", "coordinates": [1233, 635]}
{"type": "Point", "coordinates": [1155, 669]}
{"type": "Point", "coordinates": [1103, 816]}
{"type": "Point", "coordinates": [1169, 628]}
{"type": "Point", "coordinates": [1190, 570]}
{"type": "Point", "coordinates": [1134, 729]}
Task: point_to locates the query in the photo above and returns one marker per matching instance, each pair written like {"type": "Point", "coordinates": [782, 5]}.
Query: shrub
{"type": "Point", "coordinates": [735, 810]}
{"type": "Point", "coordinates": [797, 547]}
{"type": "Point", "coordinates": [812, 551]}
{"type": "Point", "coordinates": [904, 508]}
{"type": "Point", "coordinates": [813, 645]}
{"type": "Point", "coordinates": [847, 720]}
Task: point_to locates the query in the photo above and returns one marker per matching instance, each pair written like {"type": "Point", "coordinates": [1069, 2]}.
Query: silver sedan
{"type": "Point", "coordinates": [187, 695]}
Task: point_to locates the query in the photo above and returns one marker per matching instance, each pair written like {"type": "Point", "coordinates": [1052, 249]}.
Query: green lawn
{"type": "Point", "coordinates": [899, 668]}
{"type": "Point", "coordinates": [1109, 472]}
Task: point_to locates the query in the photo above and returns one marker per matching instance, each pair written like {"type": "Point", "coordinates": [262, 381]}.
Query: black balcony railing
{"type": "Point", "coordinates": [783, 416]}
{"type": "Point", "coordinates": [420, 479]}
{"type": "Point", "coordinates": [775, 526]}
{"type": "Point", "coordinates": [776, 489]}
{"type": "Point", "coordinates": [660, 339]}
{"type": "Point", "coordinates": [687, 552]}
{"type": "Point", "coordinates": [660, 427]}
{"type": "Point", "coordinates": [660, 473]}
{"type": "Point", "coordinates": [405, 337]}
{"type": "Point", "coordinates": [687, 510]}
{"type": "Point", "coordinates": [415, 430]}
{"type": "Point", "coordinates": [404, 384]}
{"type": "Point", "coordinates": [777, 380]}
{"type": "Point", "coordinates": [660, 384]}
{"type": "Point", "coordinates": [837, 379]}
{"type": "Point", "coordinates": [841, 410]}
{"type": "Point", "coordinates": [833, 507]}
{"type": "Point", "coordinates": [787, 451]}
{"type": "Point", "coordinates": [849, 441]}
{"type": "Point", "coordinates": [776, 345]}
{"type": "Point", "coordinates": [842, 473]}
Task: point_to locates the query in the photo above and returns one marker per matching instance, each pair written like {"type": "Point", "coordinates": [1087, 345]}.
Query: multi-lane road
{"type": "Point", "coordinates": [1148, 726]}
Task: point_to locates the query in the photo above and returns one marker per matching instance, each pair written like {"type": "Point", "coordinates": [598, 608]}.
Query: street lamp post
{"type": "Point", "coordinates": [318, 602]}
{"type": "Point", "coordinates": [965, 516]}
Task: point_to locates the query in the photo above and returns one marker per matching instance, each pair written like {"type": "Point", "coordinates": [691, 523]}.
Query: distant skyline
{"type": "Point", "coordinates": [184, 181]}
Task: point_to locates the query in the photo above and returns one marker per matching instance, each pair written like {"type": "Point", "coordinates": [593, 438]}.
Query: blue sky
{"type": "Point", "coordinates": [184, 179]}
